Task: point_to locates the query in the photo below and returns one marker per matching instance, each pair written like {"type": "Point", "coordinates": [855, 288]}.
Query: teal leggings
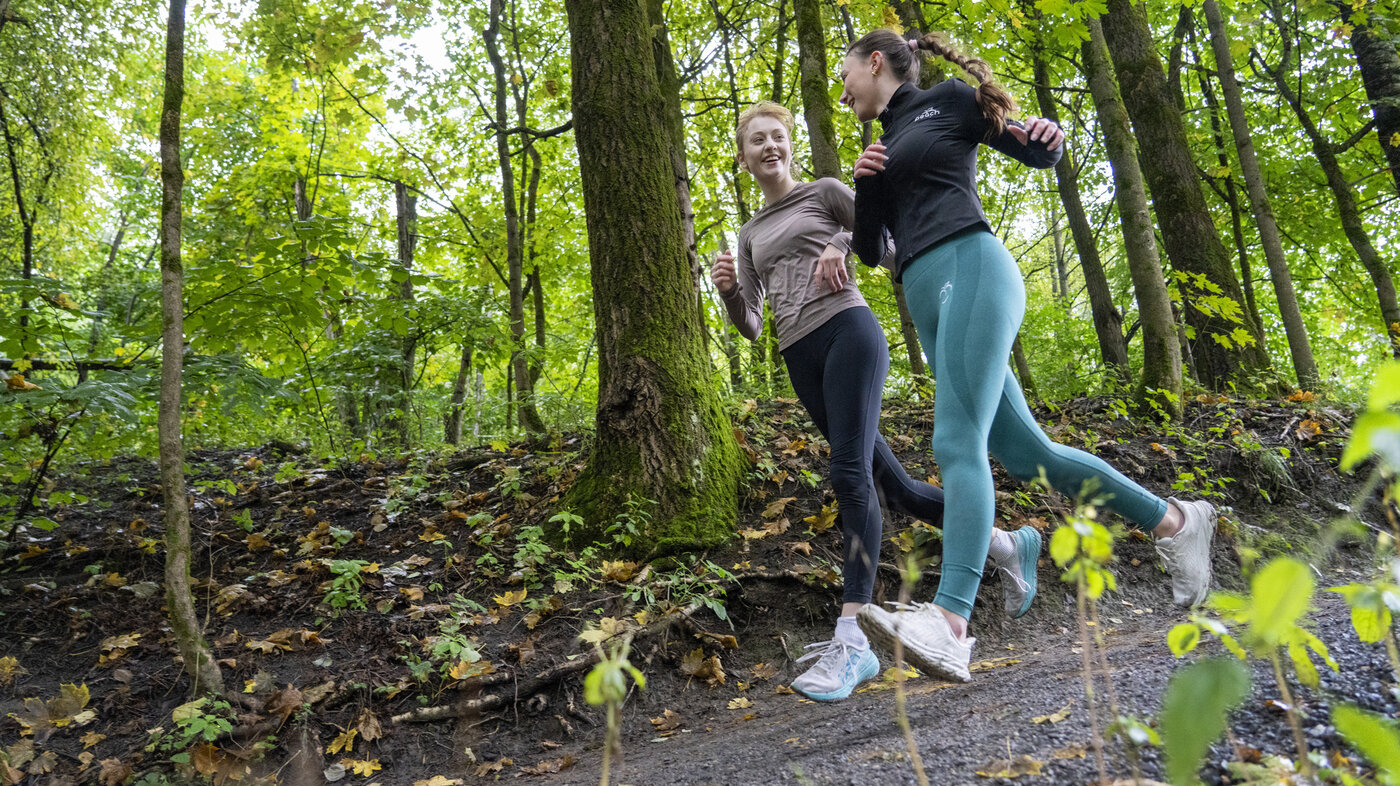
{"type": "Point", "coordinates": [967, 299]}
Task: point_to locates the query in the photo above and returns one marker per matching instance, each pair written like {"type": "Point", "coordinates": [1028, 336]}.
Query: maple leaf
{"type": "Point", "coordinates": [606, 629]}
{"type": "Point", "coordinates": [439, 780]}
{"type": "Point", "coordinates": [669, 720]}
{"type": "Point", "coordinates": [285, 702]}
{"type": "Point", "coordinates": [362, 767]}
{"type": "Point", "coordinates": [776, 507]}
{"type": "Point", "coordinates": [92, 738]}
{"type": "Point", "coordinates": [368, 726]}
{"type": "Point", "coordinates": [17, 382]}
{"type": "Point", "coordinates": [822, 521]}
{"type": "Point", "coordinates": [764, 671]}
{"type": "Point", "coordinates": [741, 703]}
{"type": "Point", "coordinates": [9, 669]}
{"type": "Point", "coordinates": [510, 598]}
{"type": "Point", "coordinates": [345, 741]}
{"type": "Point", "coordinates": [257, 542]}
{"type": "Point", "coordinates": [696, 665]}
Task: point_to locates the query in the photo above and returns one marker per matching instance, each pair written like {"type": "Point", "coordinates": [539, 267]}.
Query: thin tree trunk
{"type": "Point", "coordinates": [1379, 62]}
{"type": "Point", "coordinates": [184, 622]}
{"type": "Point", "coordinates": [1228, 345]}
{"type": "Point", "coordinates": [452, 423]}
{"type": "Point", "coordinates": [1161, 355]}
{"type": "Point", "coordinates": [662, 439]}
{"type": "Point", "coordinates": [515, 251]}
{"type": "Point", "coordinates": [407, 225]}
{"type": "Point", "coordinates": [910, 331]}
{"type": "Point", "coordinates": [1023, 370]}
{"type": "Point", "coordinates": [1108, 323]}
{"type": "Point", "coordinates": [1299, 347]}
{"type": "Point", "coordinates": [104, 286]}
{"type": "Point", "coordinates": [780, 46]}
{"type": "Point", "coordinates": [816, 100]}
{"type": "Point", "coordinates": [1345, 198]}
{"type": "Point", "coordinates": [480, 395]}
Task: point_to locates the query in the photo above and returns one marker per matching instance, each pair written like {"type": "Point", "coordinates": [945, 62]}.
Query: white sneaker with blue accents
{"type": "Point", "coordinates": [1018, 583]}
{"type": "Point", "coordinates": [840, 667]}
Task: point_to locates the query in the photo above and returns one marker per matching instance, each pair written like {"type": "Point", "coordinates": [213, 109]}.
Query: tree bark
{"type": "Point", "coordinates": [515, 247]}
{"type": "Point", "coordinates": [204, 672]}
{"type": "Point", "coordinates": [407, 225]}
{"type": "Point", "coordinates": [1379, 62]}
{"type": "Point", "coordinates": [1299, 347]}
{"type": "Point", "coordinates": [1161, 355]}
{"type": "Point", "coordinates": [1342, 194]}
{"type": "Point", "coordinates": [816, 101]}
{"type": "Point", "coordinates": [1108, 323]}
{"type": "Point", "coordinates": [910, 331]}
{"type": "Point", "coordinates": [452, 422]}
{"type": "Point", "coordinates": [1023, 370]}
{"type": "Point", "coordinates": [661, 434]}
{"type": "Point", "coordinates": [1227, 344]}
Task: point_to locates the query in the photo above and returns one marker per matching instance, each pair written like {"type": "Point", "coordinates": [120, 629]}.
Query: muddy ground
{"type": "Point", "coordinates": [440, 544]}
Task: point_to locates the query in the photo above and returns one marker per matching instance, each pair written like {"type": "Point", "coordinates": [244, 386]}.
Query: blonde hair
{"type": "Point", "coordinates": [761, 109]}
{"type": "Point", "coordinates": [992, 98]}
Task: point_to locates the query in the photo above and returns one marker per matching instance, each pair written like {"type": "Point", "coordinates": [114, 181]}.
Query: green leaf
{"type": "Point", "coordinates": [1369, 615]}
{"type": "Point", "coordinates": [1385, 391]}
{"type": "Point", "coordinates": [1373, 432]}
{"type": "Point", "coordinates": [1064, 544]}
{"type": "Point", "coordinates": [1183, 638]}
{"type": "Point", "coordinates": [1280, 593]}
{"type": "Point", "coordinates": [1303, 665]}
{"type": "Point", "coordinates": [1193, 713]}
{"type": "Point", "coordinates": [1376, 738]}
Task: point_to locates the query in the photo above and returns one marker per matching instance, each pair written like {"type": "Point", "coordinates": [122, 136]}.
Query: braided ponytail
{"type": "Point", "coordinates": [996, 103]}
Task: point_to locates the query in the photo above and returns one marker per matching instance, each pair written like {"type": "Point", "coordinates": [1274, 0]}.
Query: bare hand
{"type": "Point", "coordinates": [722, 273]}
{"type": "Point", "coordinates": [1038, 129]}
{"type": "Point", "coordinates": [871, 161]}
{"type": "Point", "coordinates": [831, 268]}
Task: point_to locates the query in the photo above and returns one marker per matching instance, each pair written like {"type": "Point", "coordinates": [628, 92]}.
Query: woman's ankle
{"type": "Point", "coordinates": [1170, 524]}
{"type": "Point", "coordinates": [955, 622]}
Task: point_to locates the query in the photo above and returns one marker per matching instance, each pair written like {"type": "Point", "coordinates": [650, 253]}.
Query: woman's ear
{"type": "Point", "coordinates": [744, 165]}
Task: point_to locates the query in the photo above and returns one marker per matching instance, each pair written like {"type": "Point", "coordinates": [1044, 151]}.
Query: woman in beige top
{"type": "Point", "coordinates": [794, 251]}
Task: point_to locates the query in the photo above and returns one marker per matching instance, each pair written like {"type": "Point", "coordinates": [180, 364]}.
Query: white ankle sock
{"type": "Point", "coordinates": [1002, 547]}
{"type": "Point", "coordinates": [848, 631]}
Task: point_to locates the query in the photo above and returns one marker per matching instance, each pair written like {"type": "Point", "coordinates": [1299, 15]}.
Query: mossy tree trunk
{"type": "Point", "coordinates": [661, 434]}
{"type": "Point", "coordinates": [1108, 323]}
{"type": "Point", "coordinates": [1227, 344]}
{"type": "Point", "coordinates": [184, 622]}
{"type": "Point", "coordinates": [1379, 61]}
{"type": "Point", "coordinates": [1299, 347]}
{"type": "Point", "coordinates": [1161, 354]}
{"type": "Point", "coordinates": [815, 78]}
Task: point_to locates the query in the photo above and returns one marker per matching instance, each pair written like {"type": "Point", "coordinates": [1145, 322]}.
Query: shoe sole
{"type": "Point", "coordinates": [1028, 554]}
{"type": "Point", "coordinates": [867, 671]}
{"type": "Point", "coordinates": [932, 665]}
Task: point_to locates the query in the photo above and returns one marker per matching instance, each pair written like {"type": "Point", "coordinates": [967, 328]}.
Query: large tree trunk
{"type": "Point", "coordinates": [816, 101]}
{"type": "Point", "coordinates": [1108, 323]}
{"type": "Point", "coordinates": [515, 239]}
{"type": "Point", "coordinates": [1228, 345]}
{"type": "Point", "coordinates": [184, 622]}
{"type": "Point", "coordinates": [407, 225]}
{"type": "Point", "coordinates": [1379, 62]}
{"type": "Point", "coordinates": [1161, 355]}
{"type": "Point", "coordinates": [1300, 349]}
{"type": "Point", "coordinates": [661, 434]}
{"type": "Point", "coordinates": [1345, 198]}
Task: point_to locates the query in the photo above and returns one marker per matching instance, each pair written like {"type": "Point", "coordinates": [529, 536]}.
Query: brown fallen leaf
{"type": "Point", "coordinates": [489, 767]}
{"type": "Point", "coordinates": [113, 772]}
{"type": "Point", "coordinates": [696, 665]}
{"type": "Point", "coordinates": [1014, 768]}
{"type": "Point", "coordinates": [776, 507]}
{"type": "Point", "coordinates": [550, 766]}
{"type": "Point", "coordinates": [368, 726]}
{"type": "Point", "coordinates": [669, 720]}
{"type": "Point", "coordinates": [1077, 750]}
{"type": "Point", "coordinates": [723, 640]}
{"type": "Point", "coordinates": [285, 702]}
{"type": "Point", "coordinates": [763, 671]}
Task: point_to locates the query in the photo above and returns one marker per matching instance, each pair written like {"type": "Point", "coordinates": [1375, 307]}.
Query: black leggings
{"type": "Point", "coordinates": [838, 371]}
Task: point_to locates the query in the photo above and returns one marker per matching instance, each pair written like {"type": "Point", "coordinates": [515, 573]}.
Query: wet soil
{"type": "Point", "coordinates": [441, 542]}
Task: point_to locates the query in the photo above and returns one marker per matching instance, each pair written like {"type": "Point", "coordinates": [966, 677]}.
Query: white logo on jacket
{"type": "Point", "coordinates": [927, 113]}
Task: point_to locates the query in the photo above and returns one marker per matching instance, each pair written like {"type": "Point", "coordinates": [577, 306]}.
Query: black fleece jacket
{"type": "Point", "coordinates": [928, 190]}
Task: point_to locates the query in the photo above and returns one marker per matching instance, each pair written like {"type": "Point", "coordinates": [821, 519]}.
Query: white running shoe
{"type": "Point", "coordinates": [929, 643]}
{"type": "Point", "coordinates": [1018, 583]}
{"type": "Point", "coordinates": [1186, 555]}
{"type": "Point", "coordinates": [840, 668]}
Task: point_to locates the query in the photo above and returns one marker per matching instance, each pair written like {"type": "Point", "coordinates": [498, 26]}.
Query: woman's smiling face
{"type": "Point", "coordinates": [767, 148]}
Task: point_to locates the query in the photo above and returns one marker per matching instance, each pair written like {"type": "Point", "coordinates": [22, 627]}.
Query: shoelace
{"type": "Point", "coordinates": [1020, 582]}
{"type": "Point", "coordinates": [897, 606]}
{"type": "Point", "coordinates": [824, 648]}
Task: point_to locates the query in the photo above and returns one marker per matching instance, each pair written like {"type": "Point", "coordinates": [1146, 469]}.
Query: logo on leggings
{"type": "Point", "coordinates": [944, 292]}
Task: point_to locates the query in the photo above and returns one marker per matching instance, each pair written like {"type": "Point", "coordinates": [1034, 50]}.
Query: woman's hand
{"type": "Point", "coordinates": [722, 273]}
{"type": "Point", "coordinates": [831, 268]}
{"type": "Point", "coordinates": [1038, 129]}
{"type": "Point", "coordinates": [871, 161]}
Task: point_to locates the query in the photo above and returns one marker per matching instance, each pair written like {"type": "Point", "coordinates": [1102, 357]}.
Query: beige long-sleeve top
{"type": "Point", "coordinates": [777, 257]}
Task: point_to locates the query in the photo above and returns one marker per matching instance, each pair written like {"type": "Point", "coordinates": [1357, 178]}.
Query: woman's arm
{"type": "Point", "coordinates": [869, 238]}
{"type": "Point", "coordinates": [1037, 142]}
{"type": "Point", "coordinates": [741, 290]}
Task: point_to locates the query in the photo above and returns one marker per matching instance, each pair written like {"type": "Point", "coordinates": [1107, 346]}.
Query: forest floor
{"type": "Point", "coordinates": [397, 623]}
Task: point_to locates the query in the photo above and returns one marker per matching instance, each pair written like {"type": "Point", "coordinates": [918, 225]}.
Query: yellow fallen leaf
{"type": "Point", "coordinates": [822, 521]}
{"type": "Point", "coordinates": [1014, 768]}
{"type": "Point", "coordinates": [776, 507]}
{"type": "Point", "coordinates": [741, 703]}
{"type": "Point", "coordinates": [345, 741]}
{"type": "Point", "coordinates": [439, 780]}
{"type": "Point", "coordinates": [92, 738]}
{"type": "Point", "coordinates": [362, 767]}
{"type": "Point", "coordinates": [510, 598]}
{"type": "Point", "coordinates": [1054, 717]}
